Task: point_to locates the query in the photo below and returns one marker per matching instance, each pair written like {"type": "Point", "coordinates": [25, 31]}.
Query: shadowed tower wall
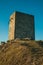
{"type": "Point", "coordinates": [21, 25]}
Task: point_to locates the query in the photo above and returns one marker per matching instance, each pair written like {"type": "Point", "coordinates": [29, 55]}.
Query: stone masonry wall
{"type": "Point", "coordinates": [24, 26]}
{"type": "Point", "coordinates": [21, 26]}
{"type": "Point", "coordinates": [11, 27]}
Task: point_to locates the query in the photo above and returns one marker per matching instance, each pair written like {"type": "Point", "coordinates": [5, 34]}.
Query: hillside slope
{"type": "Point", "coordinates": [21, 52]}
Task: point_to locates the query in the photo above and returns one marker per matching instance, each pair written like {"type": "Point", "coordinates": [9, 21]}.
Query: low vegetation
{"type": "Point", "coordinates": [21, 52]}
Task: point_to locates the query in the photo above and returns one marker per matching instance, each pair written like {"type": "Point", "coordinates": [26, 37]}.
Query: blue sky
{"type": "Point", "coordinates": [33, 7]}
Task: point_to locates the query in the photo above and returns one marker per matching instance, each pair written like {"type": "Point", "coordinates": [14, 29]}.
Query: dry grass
{"type": "Point", "coordinates": [21, 52]}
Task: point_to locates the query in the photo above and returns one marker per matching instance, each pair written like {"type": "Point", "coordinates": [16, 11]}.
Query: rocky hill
{"type": "Point", "coordinates": [21, 52]}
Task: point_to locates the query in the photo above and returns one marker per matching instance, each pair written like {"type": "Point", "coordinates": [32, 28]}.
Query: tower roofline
{"type": "Point", "coordinates": [20, 13]}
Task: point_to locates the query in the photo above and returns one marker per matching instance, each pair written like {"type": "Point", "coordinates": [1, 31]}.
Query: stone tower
{"type": "Point", "coordinates": [21, 26]}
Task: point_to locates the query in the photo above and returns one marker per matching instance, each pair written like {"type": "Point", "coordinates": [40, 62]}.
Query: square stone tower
{"type": "Point", "coordinates": [21, 26]}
